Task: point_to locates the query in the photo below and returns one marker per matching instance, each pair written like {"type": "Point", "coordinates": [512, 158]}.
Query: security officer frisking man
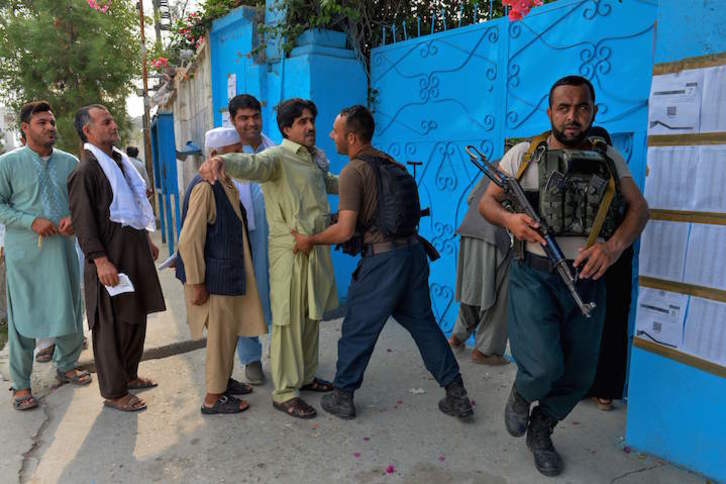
{"type": "Point", "coordinates": [379, 207]}
{"type": "Point", "coordinates": [582, 189]}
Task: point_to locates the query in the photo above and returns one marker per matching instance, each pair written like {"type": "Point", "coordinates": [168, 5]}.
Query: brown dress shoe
{"type": "Point", "coordinates": [492, 360]}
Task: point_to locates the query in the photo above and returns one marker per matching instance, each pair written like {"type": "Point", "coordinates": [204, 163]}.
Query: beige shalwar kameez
{"type": "Point", "coordinates": [225, 317]}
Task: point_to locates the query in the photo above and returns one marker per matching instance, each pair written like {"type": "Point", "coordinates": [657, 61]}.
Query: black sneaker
{"type": "Point", "coordinates": [339, 403]}
{"type": "Point", "coordinates": [516, 414]}
{"type": "Point", "coordinates": [546, 459]}
{"type": "Point", "coordinates": [456, 402]}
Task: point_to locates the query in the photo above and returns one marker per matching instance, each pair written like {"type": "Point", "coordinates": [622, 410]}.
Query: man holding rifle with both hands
{"type": "Point", "coordinates": [589, 211]}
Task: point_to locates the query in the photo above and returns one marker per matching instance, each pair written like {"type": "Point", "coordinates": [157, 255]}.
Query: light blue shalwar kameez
{"type": "Point", "coordinates": [249, 349]}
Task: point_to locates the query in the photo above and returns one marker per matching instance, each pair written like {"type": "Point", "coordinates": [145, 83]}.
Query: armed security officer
{"type": "Point", "coordinates": [555, 346]}
{"type": "Point", "coordinates": [392, 276]}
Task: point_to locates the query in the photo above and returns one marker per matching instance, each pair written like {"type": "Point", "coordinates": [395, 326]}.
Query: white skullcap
{"type": "Point", "coordinates": [217, 138]}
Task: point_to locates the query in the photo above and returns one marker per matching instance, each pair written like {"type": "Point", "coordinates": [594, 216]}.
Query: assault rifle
{"type": "Point", "coordinates": [514, 190]}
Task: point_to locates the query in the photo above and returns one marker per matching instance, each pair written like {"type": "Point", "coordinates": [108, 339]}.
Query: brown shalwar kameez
{"type": "Point", "coordinates": [118, 324]}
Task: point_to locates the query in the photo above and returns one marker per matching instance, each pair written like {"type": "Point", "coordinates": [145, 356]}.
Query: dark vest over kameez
{"type": "Point", "coordinates": [223, 258]}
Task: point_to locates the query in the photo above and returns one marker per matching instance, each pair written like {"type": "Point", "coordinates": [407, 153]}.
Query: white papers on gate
{"type": "Point", "coordinates": [705, 331]}
{"type": "Point", "coordinates": [687, 178]}
{"type": "Point", "coordinates": [663, 248]}
{"type": "Point", "coordinates": [675, 103]}
{"type": "Point", "coordinates": [231, 86]}
{"type": "Point", "coordinates": [709, 194]}
{"type": "Point", "coordinates": [706, 256]}
{"type": "Point", "coordinates": [226, 121]}
{"type": "Point", "coordinates": [671, 180]}
{"type": "Point", "coordinates": [713, 105]}
{"type": "Point", "coordinates": [124, 285]}
{"type": "Point", "coordinates": [660, 316]}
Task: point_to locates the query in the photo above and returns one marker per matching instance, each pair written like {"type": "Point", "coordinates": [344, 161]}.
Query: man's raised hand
{"type": "Point", "coordinates": [212, 170]}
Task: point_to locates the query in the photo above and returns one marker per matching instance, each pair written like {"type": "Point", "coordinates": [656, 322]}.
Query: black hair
{"type": "Point", "coordinates": [360, 121]}
{"type": "Point", "coordinates": [243, 101]}
{"type": "Point", "coordinates": [573, 81]}
{"type": "Point", "coordinates": [132, 151]}
{"type": "Point", "coordinates": [31, 108]}
{"type": "Point", "coordinates": [83, 117]}
{"type": "Point", "coordinates": [600, 132]}
{"type": "Point", "coordinates": [288, 111]}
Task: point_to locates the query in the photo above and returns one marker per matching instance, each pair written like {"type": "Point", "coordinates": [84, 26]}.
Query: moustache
{"type": "Point", "coordinates": [573, 125]}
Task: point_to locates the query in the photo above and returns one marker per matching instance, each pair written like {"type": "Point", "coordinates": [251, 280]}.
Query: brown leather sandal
{"type": "Point", "coordinates": [131, 403]}
{"type": "Point", "coordinates": [45, 355]}
{"type": "Point", "coordinates": [317, 385]}
{"type": "Point", "coordinates": [28, 402]}
{"type": "Point", "coordinates": [295, 407]}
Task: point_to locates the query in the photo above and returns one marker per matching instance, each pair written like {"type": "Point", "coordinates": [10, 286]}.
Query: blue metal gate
{"type": "Point", "coordinates": [486, 82]}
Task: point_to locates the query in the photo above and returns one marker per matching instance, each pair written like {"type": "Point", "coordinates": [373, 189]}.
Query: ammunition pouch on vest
{"type": "Point", "coordinates": [578, 190]}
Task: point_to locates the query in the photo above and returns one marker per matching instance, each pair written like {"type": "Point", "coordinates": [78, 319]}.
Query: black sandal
{"type": "Point", "coordinates": [80, 377]}
{"type": "Point", "coordinates": [235, 387]}
{"type": "Point", "coordinates": [317, 385]}
{"type": "Point", "coordinates": [225, 404]}
{"type": "Point", "coordinates": [296, 407]}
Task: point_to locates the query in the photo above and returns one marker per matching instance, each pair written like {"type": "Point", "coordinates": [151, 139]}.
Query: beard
{"type": "Point", "coordinates": [570, 142]}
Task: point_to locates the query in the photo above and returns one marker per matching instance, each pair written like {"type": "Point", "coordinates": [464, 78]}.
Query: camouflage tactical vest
{"type": "Point", "coordinates": [578, 191]}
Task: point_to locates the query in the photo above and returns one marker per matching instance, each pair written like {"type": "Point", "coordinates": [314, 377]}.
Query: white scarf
{"type": "Point", "coordinates": [129, 205]}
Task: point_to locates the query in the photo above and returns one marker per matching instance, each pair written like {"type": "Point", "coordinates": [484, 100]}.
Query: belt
{"type": "Point", "coordinates": [539, 263]}
{"type": "Point", "coordinates": [389, 245]}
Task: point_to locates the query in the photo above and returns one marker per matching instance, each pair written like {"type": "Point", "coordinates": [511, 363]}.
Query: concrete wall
{"type": "Point", "coordinates": [191, 103]}
{"type": "Point", "coordinates": [690, 28]}
{"type": "Point", "coordinates": [676, 411]}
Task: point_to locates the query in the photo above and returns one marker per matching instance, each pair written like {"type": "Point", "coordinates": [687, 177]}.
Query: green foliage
{"type": "Point", "coordinates": [71, 55]}
{"type": "Point", "coordinates": [364, 20]}
{"type": "Point", "coordinates": [189, 32]}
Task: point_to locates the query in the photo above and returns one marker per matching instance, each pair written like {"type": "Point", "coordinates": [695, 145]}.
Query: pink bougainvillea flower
{"type": "Point", "coordinates": [515, 15]}
{"type": "Point", "coordinates": [356, 455]}
{"type": "Point", "coordinates": [390, 469]}
{"type": "Point", "coordinates": [442, 458]}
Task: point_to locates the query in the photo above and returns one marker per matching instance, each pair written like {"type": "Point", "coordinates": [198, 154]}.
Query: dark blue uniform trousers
{"type": "Point", "coordinates": [556, 348]}
{"type": "Point", "coordinates": [394, 283]}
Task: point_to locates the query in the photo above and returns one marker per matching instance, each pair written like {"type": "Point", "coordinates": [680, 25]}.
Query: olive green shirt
{"type": "Point", "coordinates": [301, 286]}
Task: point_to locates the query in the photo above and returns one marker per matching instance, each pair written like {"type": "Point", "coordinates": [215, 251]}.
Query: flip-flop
{"type": "Point", "coordinates": [225, 404]}
{"type": "Point", "coordinates": [80, 378]}
{"type": "Point", "coordinates": [141, 383]}
{"type": "Point", "coordinates": [128, 406]}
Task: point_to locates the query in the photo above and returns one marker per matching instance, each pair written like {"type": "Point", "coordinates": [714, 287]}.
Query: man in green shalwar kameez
{"type": "Point", "coordinates": [302, 287]}
{"type": "Point", "coordinates": [43, 275]}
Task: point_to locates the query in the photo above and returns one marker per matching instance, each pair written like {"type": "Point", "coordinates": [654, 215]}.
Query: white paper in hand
{"type": "Point", "coordinates": [168, 262]}
{"type": "Point", "coordinates": [124, 285]}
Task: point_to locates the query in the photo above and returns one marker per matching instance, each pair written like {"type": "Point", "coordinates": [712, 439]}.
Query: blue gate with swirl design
{"type": "Point", "coordinates": [487, 82]}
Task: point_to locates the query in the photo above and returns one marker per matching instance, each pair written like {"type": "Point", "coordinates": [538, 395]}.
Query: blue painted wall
{"type": "Point", "coordinates": [321, 68]}
{"type": "Point", "coordinates": [690, 28]}
{"type": "Point", "coordinates": [677, 411]}
{"type": "Point", "coordinates": [486, 82]}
